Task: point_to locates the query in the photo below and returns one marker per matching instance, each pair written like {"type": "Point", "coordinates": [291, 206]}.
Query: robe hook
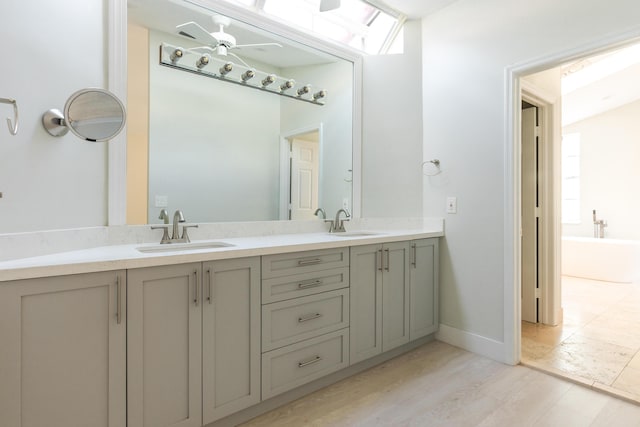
{"type": "Point", "coordinates": [13, 127]}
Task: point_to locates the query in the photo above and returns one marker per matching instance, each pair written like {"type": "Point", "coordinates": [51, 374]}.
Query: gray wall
{"type": "Point", "coordinates": [392, 131]}
{"type": "Point", "coordinates": [51, 49]}
{"type": "Point", "coordinates": [466, 49]}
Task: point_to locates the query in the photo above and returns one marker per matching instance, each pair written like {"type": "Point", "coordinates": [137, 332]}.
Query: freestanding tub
{"type": "Point", "coordinates": [610, 260]}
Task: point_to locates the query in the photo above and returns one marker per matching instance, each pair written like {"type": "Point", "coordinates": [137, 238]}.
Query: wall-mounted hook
{"type": "Point", "coordinates": [13, 127]}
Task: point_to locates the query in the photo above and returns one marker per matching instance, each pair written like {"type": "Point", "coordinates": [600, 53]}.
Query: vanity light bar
{"type": "Point", "coordinates": [195, 62]}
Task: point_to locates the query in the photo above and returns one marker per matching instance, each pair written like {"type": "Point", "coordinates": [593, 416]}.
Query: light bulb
{"type": "Point", "coordinates": [319, 95]}
{"type": "Point", "coordinates": [202, 62]}
{"type": "Point", "coordinates": [176, 55]}
{"type": "Point", "coordinates": [287, 85]}
{"type": "Point", "coordinates": [226, 68]}
{"type": "Point", "coordinates": [268, 80]}
{"type": "Point", "coordinates": [304, 90]}
{"type": "Point", "coordinates": [249, 74]}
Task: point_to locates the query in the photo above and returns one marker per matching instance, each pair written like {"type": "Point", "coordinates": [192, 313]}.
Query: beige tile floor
{"type": "Point", "coordinates": [440, 385]}
{"type": "Point", "coordinates": [598, 343]}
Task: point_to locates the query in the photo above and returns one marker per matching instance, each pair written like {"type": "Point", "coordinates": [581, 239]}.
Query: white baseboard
{"type": "Point", "coordinates": [471, 342]}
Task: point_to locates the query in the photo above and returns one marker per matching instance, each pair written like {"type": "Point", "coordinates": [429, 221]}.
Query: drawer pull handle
{"type": "Point", "coordinates": [309, 362]}
{"type": "Point", "coordinates": [309, 317]}
{"type": "Point", "coordinates": [196, 297]}
{"type": "Point", "coordinates": [414, 263]}
{"type": "Point", "coordinates": [310, 261]}
{"type": "Point", "coordinates": [118, 300]}
{"type": "Point", "coordinates": [310, 284]}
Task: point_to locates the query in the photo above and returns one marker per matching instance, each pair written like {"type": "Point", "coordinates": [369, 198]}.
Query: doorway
{"type": "Point", "coordinates": [300, 173]}
{"type": "Point", "coordinates": [595, 341]}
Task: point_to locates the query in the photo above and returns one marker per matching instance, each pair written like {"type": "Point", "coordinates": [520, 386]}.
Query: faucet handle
{"type": "Point", "coordinates": [165, 233]}
{"type": "Point", "coordinates": [331, 225]}
{"type": "Point", "coordinates": [185, 236]}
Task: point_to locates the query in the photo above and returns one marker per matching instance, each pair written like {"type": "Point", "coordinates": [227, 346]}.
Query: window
{"type": "Point", "coordinates": [357, 23]}
{"type": "Point", "coordinates": [571, 178]}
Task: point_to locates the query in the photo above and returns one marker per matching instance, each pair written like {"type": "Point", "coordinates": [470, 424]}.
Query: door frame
{"type": "Point", "coordinates": [511, 190]}
{"type": "Point", "coordinates": [549, 241]}
{"type": "Point", "coordinates": [285, 165]}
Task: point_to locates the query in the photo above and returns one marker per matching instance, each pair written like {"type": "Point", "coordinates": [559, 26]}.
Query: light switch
{"type": "Point", "coordinates": [162, 201]}
{"type": "Point", "coordinates": [452, 205]}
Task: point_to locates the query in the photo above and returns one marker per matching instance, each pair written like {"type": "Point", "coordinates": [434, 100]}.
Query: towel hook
{"type": "Point", "coordinates": [13, 127]}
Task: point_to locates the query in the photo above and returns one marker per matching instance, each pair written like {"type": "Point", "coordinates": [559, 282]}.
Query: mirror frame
{"type": "Point", "coordinates": [117, 84]}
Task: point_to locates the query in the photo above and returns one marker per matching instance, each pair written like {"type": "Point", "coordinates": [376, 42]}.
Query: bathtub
{"type": "Point", "coordinates": [610, 260]}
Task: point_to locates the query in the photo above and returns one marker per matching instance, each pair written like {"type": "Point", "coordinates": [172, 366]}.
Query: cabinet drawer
{"type": "Point", "coordinates": [287, 322]}
{"type": "Point", "coordinates": [304, 262]}
{"type": "Point", "coordinates": [300, 285]}
{"type": "Point", "coordinates": [298, 364]}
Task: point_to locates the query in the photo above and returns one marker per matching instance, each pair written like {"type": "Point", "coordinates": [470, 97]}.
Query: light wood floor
{"type": "Point", "coordinates": [598, 343]}
{"type": "Point", "coordinates": [440, 385]}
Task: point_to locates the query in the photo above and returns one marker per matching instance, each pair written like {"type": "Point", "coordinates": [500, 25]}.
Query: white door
{"type": "Point", "coordinates": [305, 166]}
{"type": "Point", "coordinates": [529, 201]}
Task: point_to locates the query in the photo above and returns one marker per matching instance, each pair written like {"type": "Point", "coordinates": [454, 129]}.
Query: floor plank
{"type": "Point", "coordinates": [440, 385]}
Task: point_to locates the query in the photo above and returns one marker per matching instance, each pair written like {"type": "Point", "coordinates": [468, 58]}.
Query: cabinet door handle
{"type": "Point", "coordinates": [310, 261]}
{"type": "Point", "coordinates": [387, 252]}
{"type": "Point", "coordinates": [415, 256]}
{"type": "Point", "coordinates": [118, 300]}
{"type": "Point", "coordinates": [309, 284]}
{"type": "Point", "coordinates": [379, 265]}
{"type": "Point", "coordinates": [209, 285]}
{"type": "Point", "coordinates": [309, 317]}
{"type": "Point", "coordinates": [195, 273]}
{"type": "Point", "coordinates": [316, 359]}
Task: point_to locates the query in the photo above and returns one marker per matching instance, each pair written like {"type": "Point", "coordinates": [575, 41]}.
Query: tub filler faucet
{"type": "Point", "coordinates": [598, 226]}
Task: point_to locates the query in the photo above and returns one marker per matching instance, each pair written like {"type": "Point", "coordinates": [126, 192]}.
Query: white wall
{"type": "Point", "coordinates": [466, 49]}
{"type": "Point", "coordinates": [609, 172]}
{"type": "Point", "coordinates": [392, 131]}
{"type": "Point", "coordinates": [51, 49]}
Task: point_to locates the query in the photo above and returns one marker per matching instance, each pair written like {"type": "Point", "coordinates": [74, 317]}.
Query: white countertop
{"type": "Point", "coordinates": [127, 256]}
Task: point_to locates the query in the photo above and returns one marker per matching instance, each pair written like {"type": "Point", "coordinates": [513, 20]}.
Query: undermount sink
{"type": "Point", "coordinates": [355, 234]}
{"type": "Point", "coordinates": [182, 247]}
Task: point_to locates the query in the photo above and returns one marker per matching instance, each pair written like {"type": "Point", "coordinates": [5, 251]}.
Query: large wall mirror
{"type": "Point", "coordinates": [222, 152]}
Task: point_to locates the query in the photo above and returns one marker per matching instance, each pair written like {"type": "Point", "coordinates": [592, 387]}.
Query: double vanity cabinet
{"type": "Point", "coordinates": [188, 344]}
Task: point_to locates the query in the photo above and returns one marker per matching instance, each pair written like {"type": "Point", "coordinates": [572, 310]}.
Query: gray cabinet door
{"type": "Point", "coordinates": [164, 346]}
{"type": "Point", "coordinates": [231, 336]}
{"type": "Point", "coordinates": [424, 288]}
{"type": "Point", "coordinates": [63, 351]}
{"type": "Point", "coordinates": [395, 295]}
{"type": "Point", "coordinates": [365, 302]}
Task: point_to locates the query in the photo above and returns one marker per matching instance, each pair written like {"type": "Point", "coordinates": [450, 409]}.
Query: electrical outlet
{"type": "Point", "coordinates": [452, 205]}
{"type": "Point", "coordinates": [162, 201]}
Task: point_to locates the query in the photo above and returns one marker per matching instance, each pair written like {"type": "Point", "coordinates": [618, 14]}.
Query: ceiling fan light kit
{"type": "Point", "coordinates": [216, 49]}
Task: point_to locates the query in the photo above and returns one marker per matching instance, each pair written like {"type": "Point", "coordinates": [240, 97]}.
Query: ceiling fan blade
{"type": "Point", "coordinates": [240, 46]}
{"type": "Point", "coordinates": [326, 5]}
{"type": "Point", "coordinates": [195, 31]}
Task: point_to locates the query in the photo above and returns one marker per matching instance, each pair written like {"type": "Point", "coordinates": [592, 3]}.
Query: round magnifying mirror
{"type": "Point", "coordinates": [91, 114]}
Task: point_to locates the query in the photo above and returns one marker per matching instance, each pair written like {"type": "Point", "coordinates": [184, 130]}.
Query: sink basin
{"type": "Point", "coordinates": [355, 234]}
{"type": "Point", "coordinates": [182, 247]}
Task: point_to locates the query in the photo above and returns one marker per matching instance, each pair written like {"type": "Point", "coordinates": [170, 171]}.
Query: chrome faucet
{"type": "Point", "coordinates": [178, 217]}
{"type": "Point", "coordinates": [337, 226]}
{"type": "Point", "coordinates": [320, 211]}
{"type": "Point", "coordinates": [598, 226]}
